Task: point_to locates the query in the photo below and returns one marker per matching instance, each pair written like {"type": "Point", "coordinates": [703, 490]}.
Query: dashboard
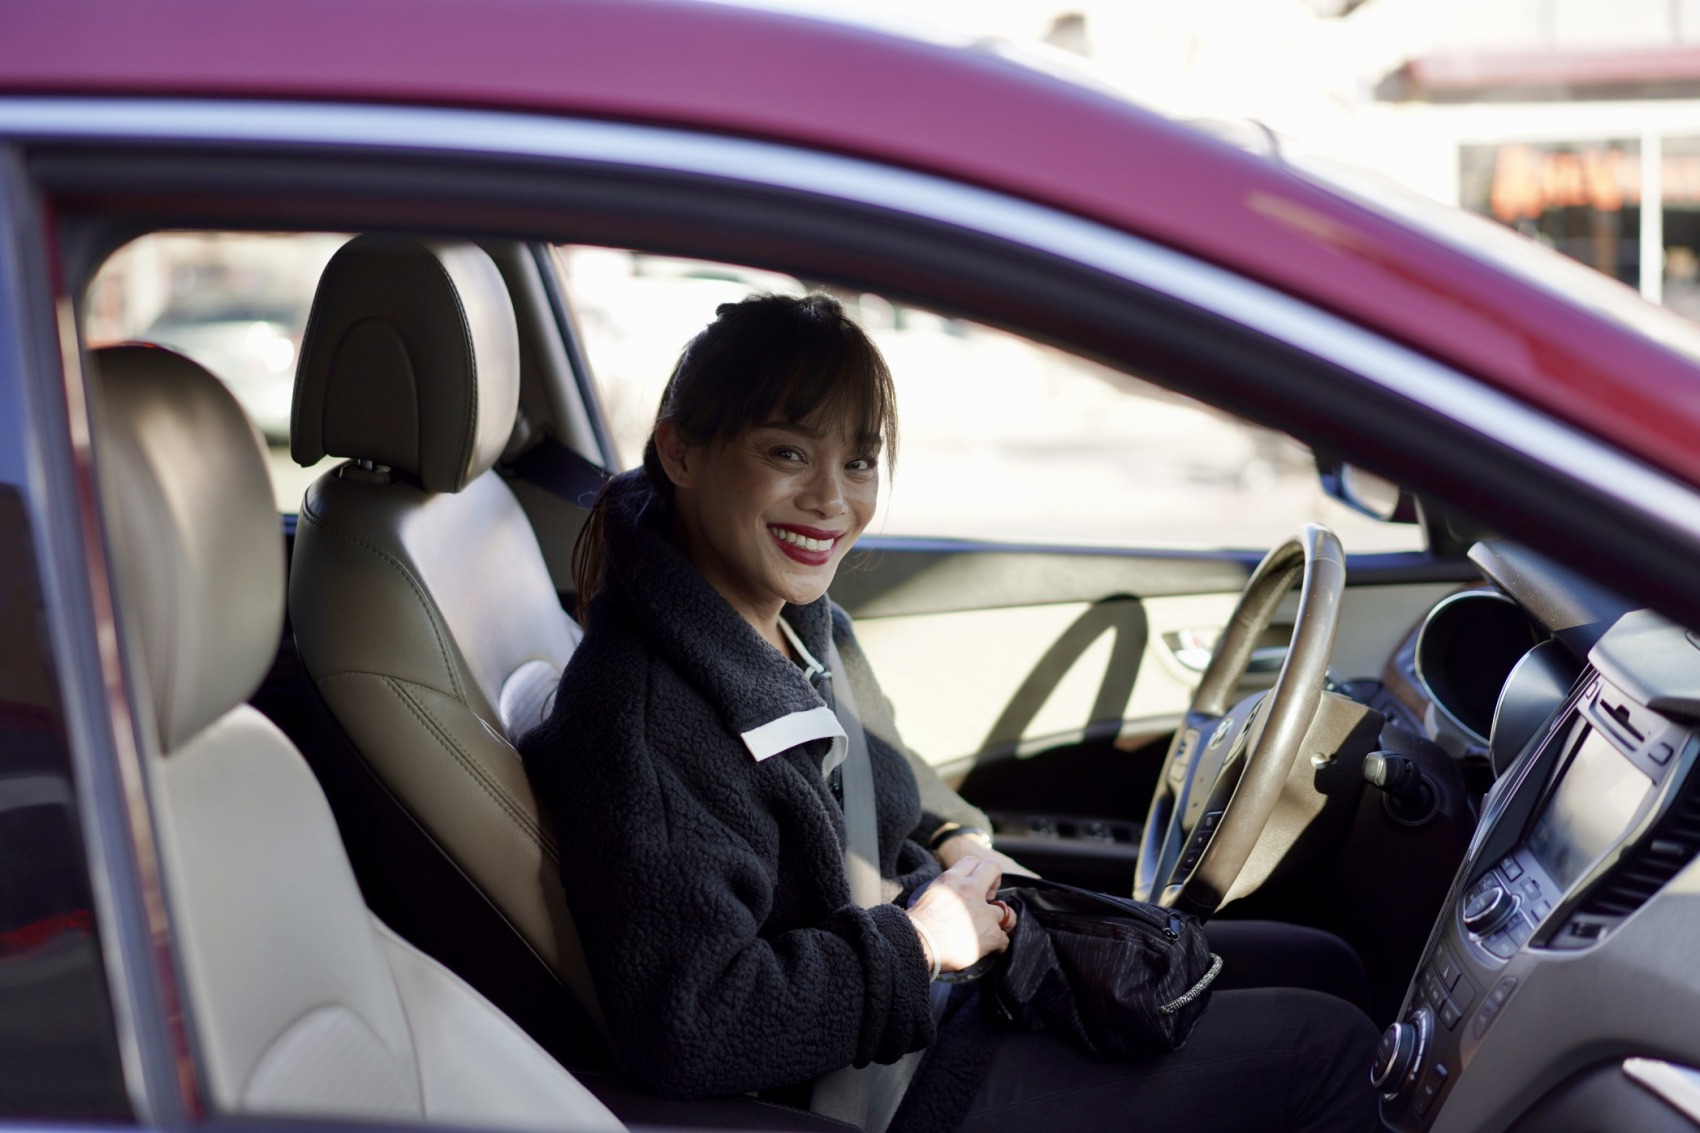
{"type": "Point", "coordinates": [1565, 949]}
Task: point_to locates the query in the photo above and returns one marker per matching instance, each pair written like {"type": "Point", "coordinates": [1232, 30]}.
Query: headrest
{"type": "Point", "coordinates": [411, 360]}
{"type": "Point", "coordinates": [197, 546]}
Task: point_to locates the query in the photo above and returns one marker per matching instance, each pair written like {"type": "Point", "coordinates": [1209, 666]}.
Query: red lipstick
{"type": "Point", "coordinates": [816, 552]}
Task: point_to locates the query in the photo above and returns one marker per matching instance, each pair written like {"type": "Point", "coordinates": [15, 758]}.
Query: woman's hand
{"type": "Point", "coordinates": [972, 843]}
{"type": "Point", "coordinates": [959, 917]}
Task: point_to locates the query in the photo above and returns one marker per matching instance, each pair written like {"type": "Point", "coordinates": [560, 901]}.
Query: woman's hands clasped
{"type": "Point", "coordinates": [959, 918]}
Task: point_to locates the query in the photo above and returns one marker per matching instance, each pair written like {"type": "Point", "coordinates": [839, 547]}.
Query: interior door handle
{"type": "Point", "coordinates": [1192, 649]}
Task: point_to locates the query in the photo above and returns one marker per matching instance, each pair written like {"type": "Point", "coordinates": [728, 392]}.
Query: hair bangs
{"type": "Point", "coordinates": [813, 367]}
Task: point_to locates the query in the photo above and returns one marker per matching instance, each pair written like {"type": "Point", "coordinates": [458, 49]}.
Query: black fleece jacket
{"type": "Point", "coordinates": [707, 885]}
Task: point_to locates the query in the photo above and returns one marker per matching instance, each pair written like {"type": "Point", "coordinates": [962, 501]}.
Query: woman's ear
{"type": "Point", "coordinates": [675, 453]}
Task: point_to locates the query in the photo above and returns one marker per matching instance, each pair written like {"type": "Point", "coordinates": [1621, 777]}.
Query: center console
{"type": "Point", "coordinates": [1583, 829]}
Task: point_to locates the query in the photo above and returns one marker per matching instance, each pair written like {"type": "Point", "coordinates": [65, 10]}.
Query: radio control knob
{"type": "Point", "coordinates": [1400, 1053]}
{"type": "Point", "coordinates": [1486, 912]}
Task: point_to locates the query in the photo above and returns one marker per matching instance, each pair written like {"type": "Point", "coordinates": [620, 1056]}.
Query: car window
{"type": "Point", "coordinates": [58, 1049]}
{"type": "Point", "coordinates": [237, 303]}
{"type": "Point", "coordinates": [1002, 438]}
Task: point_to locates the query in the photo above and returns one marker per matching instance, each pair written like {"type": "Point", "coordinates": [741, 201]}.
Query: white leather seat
{"type": "Point", "coordinates": [303, 1003]}
{"type": "Point", "coordinates": [423, 610]}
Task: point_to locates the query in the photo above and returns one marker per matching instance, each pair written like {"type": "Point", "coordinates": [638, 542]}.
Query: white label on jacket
{"type": "Point", "coordinates": [788, 731]}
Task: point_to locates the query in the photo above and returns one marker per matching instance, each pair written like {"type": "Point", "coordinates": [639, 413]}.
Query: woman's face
{"type": "Point", "coordinates": [769, 514]}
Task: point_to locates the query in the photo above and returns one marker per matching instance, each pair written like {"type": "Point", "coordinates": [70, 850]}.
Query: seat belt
{"type": "Point", "coordinates": [867, 1097]}
{"type": "Point", "coordinates": [560, 471]}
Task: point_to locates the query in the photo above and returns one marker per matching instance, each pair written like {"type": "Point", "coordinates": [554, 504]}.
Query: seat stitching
{"type": "Point", "coordinates": [418, 589]}
{"type": "Point", "coordinates": [501, 798]}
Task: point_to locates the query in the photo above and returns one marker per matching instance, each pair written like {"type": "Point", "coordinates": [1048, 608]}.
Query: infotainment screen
{"type": "Point", "coordinates": [1596, 799]}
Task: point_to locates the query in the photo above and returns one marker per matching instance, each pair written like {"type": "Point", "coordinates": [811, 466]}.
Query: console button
{"type": "Point", "coordinates": [1501, 945]}
{"type": "Point", "coordinates": [1431, 1090]}
{"type": "Point", "coordinates": [1662, 753]}
{"type": "Point", "coordinates": [1495, 1000]}
{"type": "Point", "coordinates": [1520, 930]}
{"type": "Point", "coordinates": [1449, 973]}
{"type": "Point", "coordinates": [1449, 1014]}
{"type": "Point", "coordinates": [1512, 870]}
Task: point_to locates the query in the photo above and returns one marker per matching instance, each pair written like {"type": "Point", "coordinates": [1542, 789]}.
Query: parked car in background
{"type": "Point", "coordinates": [1090, 311]}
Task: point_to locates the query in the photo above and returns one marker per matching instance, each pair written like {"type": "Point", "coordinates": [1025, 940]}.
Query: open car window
{"type": "Point", "coordinates": [1003, 439]}
{"type": "Point", "coordinates": [235, 302]}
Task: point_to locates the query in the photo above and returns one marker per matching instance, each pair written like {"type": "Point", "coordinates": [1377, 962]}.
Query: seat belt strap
{"type": "Point", "coordinates": [560, 471]}
{"type": "Point", "coordinates": [866, 1097]}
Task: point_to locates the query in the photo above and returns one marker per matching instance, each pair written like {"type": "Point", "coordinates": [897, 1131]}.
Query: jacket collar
{"type": "Point", "coordinates": [764, 698]}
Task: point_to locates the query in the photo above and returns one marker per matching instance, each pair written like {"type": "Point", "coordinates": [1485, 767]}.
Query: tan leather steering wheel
{"type": "Point", "coordinates": [1226, 767]}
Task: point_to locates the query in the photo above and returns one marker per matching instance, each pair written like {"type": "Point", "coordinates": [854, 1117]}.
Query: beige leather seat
{"type": "Point", "coordinates": [422, 608]}
{"type": "Point", "coordinates": [303, 1002]}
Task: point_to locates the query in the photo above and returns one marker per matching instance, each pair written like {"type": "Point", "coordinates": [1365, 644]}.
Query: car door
{"type": "Point", "coordinates": [65, 1021]}
{"type": "Point", "coordinates": [1059, 546]}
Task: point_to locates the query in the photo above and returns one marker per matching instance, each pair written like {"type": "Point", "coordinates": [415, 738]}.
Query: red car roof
{"type": "Point", "coordinates": [963, 114]}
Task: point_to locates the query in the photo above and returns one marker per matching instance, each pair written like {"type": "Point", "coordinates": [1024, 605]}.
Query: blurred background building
{"type": "Point", "coordinates": [1577, 122]}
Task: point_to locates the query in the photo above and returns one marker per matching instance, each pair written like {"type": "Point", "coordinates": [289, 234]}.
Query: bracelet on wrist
{"type": "Point", "coordinates": [929, 950]}
{"type": "Point", "coordinates": [951, 830]}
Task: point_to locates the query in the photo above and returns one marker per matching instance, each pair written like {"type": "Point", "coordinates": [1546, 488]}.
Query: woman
{"type": "Point", "coordinates": [688, 765]}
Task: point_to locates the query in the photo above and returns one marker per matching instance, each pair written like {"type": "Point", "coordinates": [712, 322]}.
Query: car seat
{"type": "Point", "coordinates": [303, 1002]}
{"type": "Point", "coordinates": [424, 614]}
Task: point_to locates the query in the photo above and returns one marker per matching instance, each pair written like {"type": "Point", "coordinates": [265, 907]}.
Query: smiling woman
{"type": "Point", "coordinates": [767, 513]}
{"type": "Point", "coordinates": [766, 882]}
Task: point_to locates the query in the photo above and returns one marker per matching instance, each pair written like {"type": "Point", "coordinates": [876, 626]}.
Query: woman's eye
{"type": "Point", "coordinates": [788, 453]}
{"type": "Point", "coordinates": [862, 464]}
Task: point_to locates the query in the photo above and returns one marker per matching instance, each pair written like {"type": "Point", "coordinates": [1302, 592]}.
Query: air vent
{"type": "Point", "coordinates": [1639, 874]}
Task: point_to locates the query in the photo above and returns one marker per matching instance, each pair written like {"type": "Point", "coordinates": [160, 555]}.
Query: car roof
{"type": "Point", "coordinates": [968, 114]}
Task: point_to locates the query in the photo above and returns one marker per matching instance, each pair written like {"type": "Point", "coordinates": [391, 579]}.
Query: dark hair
{"type": "Point", "coordinates": [769, 357]}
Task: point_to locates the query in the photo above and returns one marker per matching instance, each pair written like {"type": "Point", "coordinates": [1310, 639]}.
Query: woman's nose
{"type": "Point", "coordinates": [824, 493]}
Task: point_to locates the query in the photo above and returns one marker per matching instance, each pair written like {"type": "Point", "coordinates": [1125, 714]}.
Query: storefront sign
{"type": "Point", "coordinates": [1528, 180]}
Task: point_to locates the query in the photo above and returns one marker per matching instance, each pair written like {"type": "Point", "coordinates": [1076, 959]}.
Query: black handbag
{"type": "Point", "coordinates": [1115, 977]}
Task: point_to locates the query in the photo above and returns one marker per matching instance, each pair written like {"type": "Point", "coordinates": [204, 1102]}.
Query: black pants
{"type": "Point", "coordinates": [1273, 954]}
{"type": "Point", "coordinates": [1260, 1060]}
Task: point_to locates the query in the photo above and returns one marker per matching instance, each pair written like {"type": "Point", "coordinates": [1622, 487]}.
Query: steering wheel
{"type": "Point", "coordinates": [1226, 767]}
